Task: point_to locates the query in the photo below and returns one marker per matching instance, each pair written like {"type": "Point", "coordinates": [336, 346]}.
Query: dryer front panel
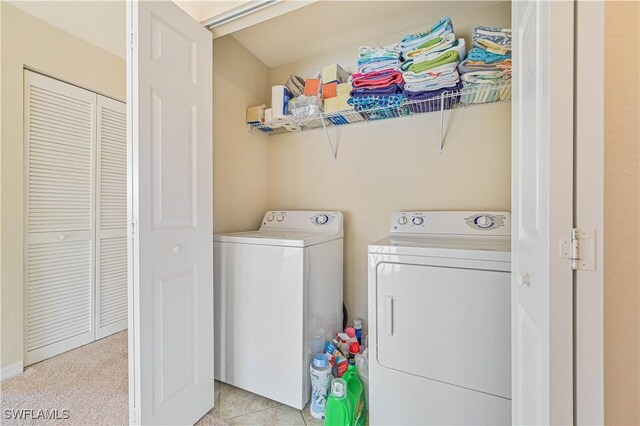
{"type": "Point", "coordinates": [445, 323]}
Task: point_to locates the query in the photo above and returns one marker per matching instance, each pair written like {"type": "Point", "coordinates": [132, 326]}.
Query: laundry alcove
{"type": "Point", "coordinates": [381, 166]}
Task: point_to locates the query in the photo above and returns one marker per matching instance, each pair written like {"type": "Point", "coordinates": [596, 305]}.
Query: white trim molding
{"type": "Point", "coordinates": [589, 211]}
{"type": "Point", "coordinates": [249, 14]}
{"type": "Point", "coordinates": [11, 371]}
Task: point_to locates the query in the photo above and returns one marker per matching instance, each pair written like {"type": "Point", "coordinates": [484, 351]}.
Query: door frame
{"type": "Point", "coordinates": [589, 144]}
{"type": "Point", "coordinates": [589, 210]}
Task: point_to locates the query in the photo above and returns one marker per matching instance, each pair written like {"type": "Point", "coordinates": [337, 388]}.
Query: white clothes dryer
{"type": "Point", "coordinates": [440, 320]}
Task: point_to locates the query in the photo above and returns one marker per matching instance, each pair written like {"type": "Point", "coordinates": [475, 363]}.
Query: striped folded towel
{"type": "Point", "coordinates": [495, 40]}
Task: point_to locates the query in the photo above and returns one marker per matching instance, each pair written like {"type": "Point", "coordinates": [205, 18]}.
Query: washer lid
{"type": "Point", "coordinates": [451, 246]}
{"type": "Point", "coordinates": [279, 237]}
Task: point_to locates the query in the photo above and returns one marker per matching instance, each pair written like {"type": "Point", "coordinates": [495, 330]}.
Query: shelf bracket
{"type": "Point", "coordinates": [441, 124]}
{"type": "Point", "coordinates": [334, 151]}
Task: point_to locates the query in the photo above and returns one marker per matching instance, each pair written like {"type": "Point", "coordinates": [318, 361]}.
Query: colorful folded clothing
{"type": "Point", "coordinates": [434, 83]}
{"type": "Point", "coordinates": [479, 54]}
{"type": "Point", "coordinates": [432, 101]}
{"type": "Point", "coordinates": [429, 86]}
{"type": "Point", "coordinates": [470, 66]}
{"type": "Point", "coordinates": [445, 71]}
{"type": "Point", "coordinates": [389, 64]}
{"type": "Point", "coordinates": [386, 90]}
{"type": "Point", "coordinates": [367, 61]}
{"type": "Point", "coordinates": [451, 42]}
{"type": "Point", "coordinates": [483, 77]}
{"type": "Point", "coordinates": [458, 45]}
{"type": "Point", "coordinates": [479, 93]}
{"type": "Point", "coordinates": [391, 51]}
{"type": "Point", "coordinates": [492, 39]}
{"type": "Point", "coordinates": [363, 103]}
{"type": "Point", "coordinates": [440, 29]}
{"type": "Point", "coordinates": [431, 94]}
{"type": "Point", "coordinates": [431, 44]}
{"type": "Point", "coordinates": [376, 79]}
{"type": "Point", "coordinates": [431, 60]}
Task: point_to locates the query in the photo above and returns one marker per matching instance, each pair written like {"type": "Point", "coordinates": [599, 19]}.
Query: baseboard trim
{"type": "Point", "coordinates": [10, 371]}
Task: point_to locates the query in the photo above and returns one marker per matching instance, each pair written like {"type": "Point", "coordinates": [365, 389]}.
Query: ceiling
{"type": "Point", "coordinates": [102, 23]}
{"type": "Point", "coordinates": [327, 25]}
{"type": "Point", "coordinates": [322, 25]}
{"type": "Point", "coordinates": [99, 22]}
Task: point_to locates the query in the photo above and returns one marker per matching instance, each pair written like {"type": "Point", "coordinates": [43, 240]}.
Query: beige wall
{"type": "Point", "coordinates": [27, 41]}
{"type": "Point", "coordinates": [393, 165]}
{"type": "Point", "coordinates": [240, 167]}
{"type": "Point", "coordinates": [622, 213]}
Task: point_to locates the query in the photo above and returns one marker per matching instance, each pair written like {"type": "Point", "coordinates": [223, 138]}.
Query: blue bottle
{"type": "Point", "coordinates": [357, 325]}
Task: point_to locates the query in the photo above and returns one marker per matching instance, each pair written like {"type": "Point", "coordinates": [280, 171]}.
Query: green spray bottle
{"type": "Point", "coordinates": [338, 411]}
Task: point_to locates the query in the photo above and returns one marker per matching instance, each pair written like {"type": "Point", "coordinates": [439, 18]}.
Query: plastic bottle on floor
{"type": "Point", "coordinates": [338, 410]}
{"type": "Point", "coordinates": [320, 371]}
{"type": "Point", "coordinates": [362, 368]}
{"type": "Point", "coordinates": [357, 325]}
{"type": "Point", "coordinates": [355, 395]}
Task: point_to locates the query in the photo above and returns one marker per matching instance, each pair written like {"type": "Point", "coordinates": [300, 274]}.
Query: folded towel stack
{"type": "Point", "coordinates": [487, 67]}
{"type": "Point", "coordinates": [378, 58]}
{"type": "Point", "coordinates": [378, 82]}
{"type": "Point", "coordinates": [430, 66]}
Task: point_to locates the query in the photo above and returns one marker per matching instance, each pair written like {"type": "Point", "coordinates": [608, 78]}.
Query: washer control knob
{"type": "Point", "coordinates": [270, 218]}
{"type": "Point", "coordinates": [402, 220]}
{"type": "Point", "coordinates": [484, 222]}
{"type": "Point", "coordinates": [417, 220]}
{"type": "Point", "coordinates": [322, 219]}
{"type": "Point", "coordinates": [280, 217]}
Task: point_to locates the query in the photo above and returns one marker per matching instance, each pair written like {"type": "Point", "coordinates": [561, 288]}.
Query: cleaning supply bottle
{"type": "Point", "coordinates": [338, 412]}
{"type": "Point", "coordinates": [357, 325]}
{"type": "Point", "coordinates": [362, 368]}
{"type": "Point", "coordinates": [355, 395]}
{"type": "Point", "coordinates": [354, 349]}
{"type": "Point", "coordinates": [351, 332]}
{"type": "Point", "coordinates": [320, 371]}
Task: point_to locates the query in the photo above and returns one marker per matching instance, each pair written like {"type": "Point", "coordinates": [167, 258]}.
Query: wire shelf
{"type": "Point", "coordinates": [470, 95]}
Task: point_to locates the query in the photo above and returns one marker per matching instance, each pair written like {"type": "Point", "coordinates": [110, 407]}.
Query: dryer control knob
{"type": "Point", "coordinates": [280, 217]}
{"type": "Point", "coordinates": [484, 222]}
{"type": "Point", "coordinates": [322, 219]}
{"type": "Point", "coordinates": [402, 220]}
{"type": "Point", "coordinates": [417, 220]}
{"type": "Point", "coordinates": [270, 217]}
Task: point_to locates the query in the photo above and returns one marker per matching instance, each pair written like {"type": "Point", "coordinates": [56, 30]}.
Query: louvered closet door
{"type": "Point", "coordinates": [60, 135]}
{"type": "Point", "coordinates": [111, 209]}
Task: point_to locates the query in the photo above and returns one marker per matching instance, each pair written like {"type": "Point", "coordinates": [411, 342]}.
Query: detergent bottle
{"type": "Point", "coordinates": [355, 395]}
{"type": "Point", "coordinates": [320, 370]}
{"type": "Point", "coordinates": [338, 412]}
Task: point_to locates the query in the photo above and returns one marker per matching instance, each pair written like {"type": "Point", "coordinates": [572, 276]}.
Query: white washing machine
{"type": "Point", "coordinates": [278, 298]}
{"type": "Point", "coordinates": [439, 320]}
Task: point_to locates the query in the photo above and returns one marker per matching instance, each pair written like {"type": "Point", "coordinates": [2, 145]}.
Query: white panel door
{"type": "Point", "coordinates": [171, 328]}
{"type": "Point", "coordinates": [542, 211]}
{"type": "Point", "coordinates": [111, 218]}
{"type": "Point", "coordinates": [59, 122]}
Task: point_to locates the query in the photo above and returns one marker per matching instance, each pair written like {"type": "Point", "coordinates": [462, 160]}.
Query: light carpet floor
{"type": "Point", "coordinates": [91, 382]}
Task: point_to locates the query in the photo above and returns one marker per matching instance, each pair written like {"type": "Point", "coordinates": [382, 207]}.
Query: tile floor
{"type": "Point", "coordinates": [239, 407]}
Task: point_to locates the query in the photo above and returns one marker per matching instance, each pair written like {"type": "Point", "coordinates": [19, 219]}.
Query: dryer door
{"type": "Point", "coordinates": [445, 323]}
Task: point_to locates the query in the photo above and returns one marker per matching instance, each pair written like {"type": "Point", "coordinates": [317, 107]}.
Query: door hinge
{"type": "Point", "coordinates": [132, 39]}
{"type": "Point", "coordinates": [580, 249]}
{"type": "Point", "coordinates": [133, 228]}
